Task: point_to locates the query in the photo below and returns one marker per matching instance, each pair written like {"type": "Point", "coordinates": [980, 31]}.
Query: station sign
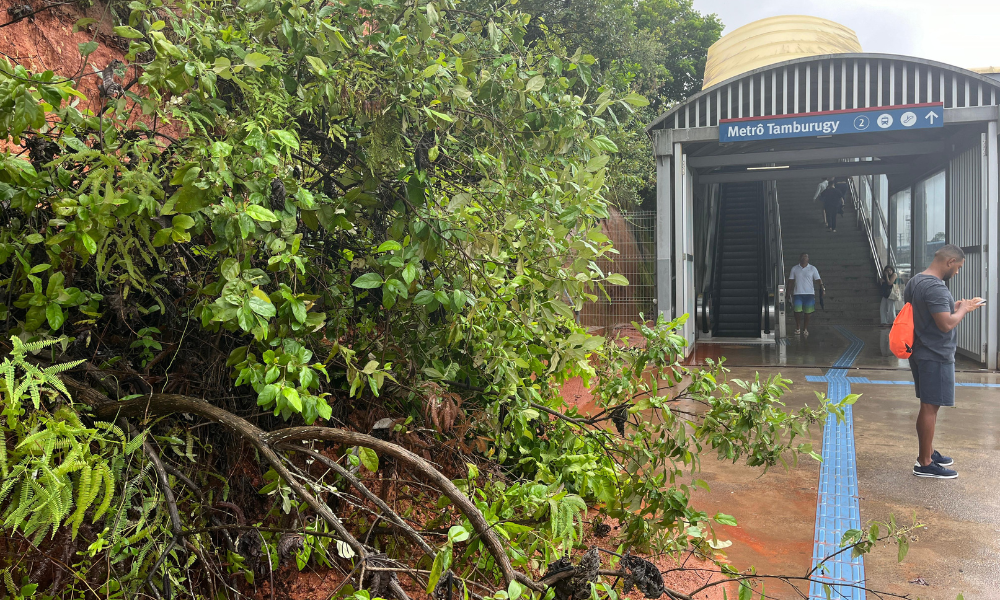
{"type": "Point", "coordinates": [833, 122]}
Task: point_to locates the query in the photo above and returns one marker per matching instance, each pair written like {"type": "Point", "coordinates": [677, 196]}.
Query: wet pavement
{"type": "Point", "coordinates": [959, 549]}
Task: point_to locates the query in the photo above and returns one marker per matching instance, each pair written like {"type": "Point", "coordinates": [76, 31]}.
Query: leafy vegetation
{"type": "Point", "coordinates": [297, 250]}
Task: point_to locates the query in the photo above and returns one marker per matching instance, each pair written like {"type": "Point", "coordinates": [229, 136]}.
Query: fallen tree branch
{"type": "Point", "coordinates": [265, 442]}
{"type": "Point", "coordinates": [388, 512]}
{"type": "Point", "coordinates": [418, 464]}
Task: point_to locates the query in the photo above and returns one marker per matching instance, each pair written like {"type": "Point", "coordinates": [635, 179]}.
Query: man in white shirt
{"type": "Point", "coordinates": [802, 283]}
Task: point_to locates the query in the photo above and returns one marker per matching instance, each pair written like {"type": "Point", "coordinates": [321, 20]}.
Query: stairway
{"type": "Point", "coordinates": [738, 282]}
{"type": "Point", "coordinates": [843, 258]}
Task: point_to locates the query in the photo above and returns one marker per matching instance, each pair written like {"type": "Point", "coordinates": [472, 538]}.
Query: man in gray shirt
{"type": "Point", "coordinates": [935, 317]}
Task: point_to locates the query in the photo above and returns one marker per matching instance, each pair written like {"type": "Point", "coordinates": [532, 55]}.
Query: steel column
{"type": "Point", "coordinates": [664, 233]}
{"type": "Point", "coordinates": [993, 191]}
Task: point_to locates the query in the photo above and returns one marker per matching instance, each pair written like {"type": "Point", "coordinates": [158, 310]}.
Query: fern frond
{"type": "Point", "coordinates": [109, 491]}
{"type": "Point", "coordinates": [8, 581]}
{"type": "Point", "coordinates": [85, 494]}
{"type": "Point", "coordinates": [3, 455]}
{"type": "Point", "coordinates": [112, 428]}
{"type": "Point", "coordinates": [54, 370]}
{"type": "Point", "coordinates": [135, 443]}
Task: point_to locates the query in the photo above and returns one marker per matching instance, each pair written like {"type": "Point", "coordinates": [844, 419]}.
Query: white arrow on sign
{"type": "Point", "coordinates": [931, 116]}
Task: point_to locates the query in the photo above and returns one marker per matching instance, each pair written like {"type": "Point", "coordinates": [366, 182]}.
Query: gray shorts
{"type": "Point", "coordinates": [934, 381]}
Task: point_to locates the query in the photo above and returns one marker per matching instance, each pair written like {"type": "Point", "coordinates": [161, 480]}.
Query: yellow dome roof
{"type": "Point", "coordinates": [774, 40]}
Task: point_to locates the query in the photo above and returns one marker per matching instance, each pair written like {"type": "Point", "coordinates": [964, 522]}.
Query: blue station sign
{"type": "Point", "coordinates": [833, 122]}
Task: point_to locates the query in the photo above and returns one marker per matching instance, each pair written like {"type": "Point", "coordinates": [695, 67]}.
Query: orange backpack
{"type": "Point", "coordinates": [901, 335]}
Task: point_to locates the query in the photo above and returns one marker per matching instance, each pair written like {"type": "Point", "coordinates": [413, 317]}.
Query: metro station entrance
{"type": "Point", "coordinates": [738, 165]}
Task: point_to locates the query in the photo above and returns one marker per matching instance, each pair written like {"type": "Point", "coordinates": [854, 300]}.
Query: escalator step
{"type": "Point", "coordinates": [740, 275]}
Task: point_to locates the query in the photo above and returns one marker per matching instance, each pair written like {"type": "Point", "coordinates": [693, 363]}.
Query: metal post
{"type": "Point", "coordinates": [677, 197]}
{"type": "Point", "coordinates": [664, 252]}
{"type": "Point", "coordinates": [993, 204]}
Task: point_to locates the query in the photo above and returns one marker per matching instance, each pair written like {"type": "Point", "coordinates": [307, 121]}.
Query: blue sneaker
{"type": "Point", "coordinates": [944, 461]}
{"type": "Point", "coordinates": [934, 470]}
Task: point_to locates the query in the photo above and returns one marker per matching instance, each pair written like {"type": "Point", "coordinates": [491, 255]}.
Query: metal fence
{"type": "Point", "coordinates": [634, 237]}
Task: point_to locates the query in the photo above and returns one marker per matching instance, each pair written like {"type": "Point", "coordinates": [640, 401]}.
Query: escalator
{"type": "Point", "coordinates": [739, 284]}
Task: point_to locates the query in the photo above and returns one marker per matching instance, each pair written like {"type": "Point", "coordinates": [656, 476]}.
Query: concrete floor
{"type": "Point", "coordinates": [959, 549]}
{"type": "Point", "coordinates": [776, 510]}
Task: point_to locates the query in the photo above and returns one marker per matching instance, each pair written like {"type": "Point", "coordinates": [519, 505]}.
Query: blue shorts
{"type": "Point", "coordinates": [804, 303]}
{"type": "Point", "coordinates": [934, 381]}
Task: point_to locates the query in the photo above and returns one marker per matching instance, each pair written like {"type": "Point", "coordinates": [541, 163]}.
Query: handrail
{"type": "Point", "coordinates": [865, 220]}
{"type": "Point", "coordinates": [882, 221]}
{"type": "Point", "coordinates": [778, 272]}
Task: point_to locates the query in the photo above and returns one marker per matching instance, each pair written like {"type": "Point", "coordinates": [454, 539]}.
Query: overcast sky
{"type": "Point", "coordinates": [964, 33]}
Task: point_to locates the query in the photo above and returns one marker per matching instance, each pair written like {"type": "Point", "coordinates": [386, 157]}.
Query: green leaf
{"type": "Point", "coordinates": [368, 458]}
{"type": "Point", "coordinates": [256, 60]}
{"type": "Point", "coordinates": [54, 315]}
{"type": "Point", "coordinates": [254, 6]}
{"type": "Point", "coordinates": [188, 199]}
{"type": "Point", "coordinates": [725, 519]}
{"type": "Point", "coordinates": [441, 563]}
{"type": "Point", "coordinates": [34, 238]}
{"type": "Point", "coordinates": [292, 396]}
{"type": "Point", "coordinates": [259, 213]}
{"type": "Point", "coordinates": [88, 48]}
{"type": "Point", "coordinates": [617, 279]}
{"type": "Point", "coordinates": [182, 222]}
{"type": "Point", "coordinates": [423, 297]}
{"type": "Point", "coordinates": [82, 24]}
{"type": "Point", "coordinates": [636, 99]}
{"type": "Point", "coordinates": [88, 243]}
{"type": "Point", "coordinates": [535, 83]}
{"type": "Point", "coordinates": [745, 592]}
{"type": "Point", "coordinates": [597, 163]}
{"type": "Point", "coordinates": [389, 246]}
{"type": "Point", "coordinates": [409, 273]}
{"type": "Point", "coordinates": [262, 308]}
{"type": "Point", "coordinates": [286, 138]}
{"type": "Point", "coordinates": [604, 143]}
{"type": "Point", "coordinates": [127, 32]}
{"type": "Point", "coordinates": [299, 311]}
{"type": "Point", "coordinates": [368, 281]}
{"type": "Point", "coordinates": [458, 534]}
{"type": "Point", "coordinates": [221, 64]}
{"type": "Point", "coordinates": [163, 237]}
{"type": "Point", "coordinates": [317, 64]}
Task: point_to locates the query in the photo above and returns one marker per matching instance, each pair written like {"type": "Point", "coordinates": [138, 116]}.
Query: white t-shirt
{"type": "Point", "coordinates": [819, 189]}
{"type": "Point", "coordinates": [804, 278]}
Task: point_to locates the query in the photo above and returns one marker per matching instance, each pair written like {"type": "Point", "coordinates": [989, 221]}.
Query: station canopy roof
{"type": "Point", "coordinates": [773, 40]}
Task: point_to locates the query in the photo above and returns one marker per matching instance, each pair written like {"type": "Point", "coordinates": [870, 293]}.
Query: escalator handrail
{"type": "Point", "coordinates": [777, 269]}
{"type": "Point", "coordinates": [712, 291]}
{"type": "Point", "coordinates": [764, 255]}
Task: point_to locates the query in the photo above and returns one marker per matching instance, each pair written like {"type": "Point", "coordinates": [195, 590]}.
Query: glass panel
{"type": "Point", "coordinates": [899, 230]}
{"type": "Point", "coordinates": [930, 221]}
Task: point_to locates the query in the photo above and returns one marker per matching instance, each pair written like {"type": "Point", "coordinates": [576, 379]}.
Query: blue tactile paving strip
{"type": "Point", "coordinates": [865, 380]}
{"type": "Point", "coordinates": [837, 508]}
